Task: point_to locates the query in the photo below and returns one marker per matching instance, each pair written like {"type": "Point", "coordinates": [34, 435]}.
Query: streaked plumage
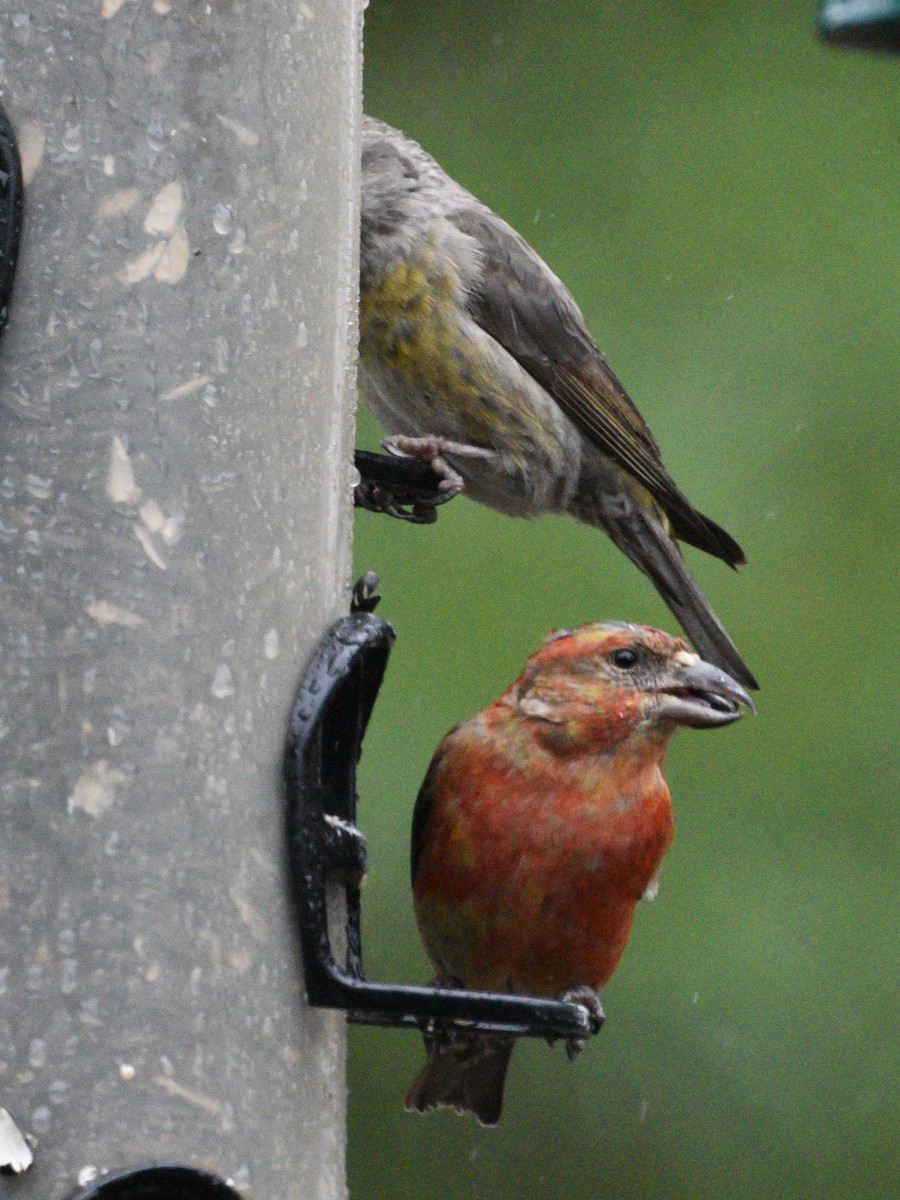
{"type": "Point", "coordinates": [467, 335]}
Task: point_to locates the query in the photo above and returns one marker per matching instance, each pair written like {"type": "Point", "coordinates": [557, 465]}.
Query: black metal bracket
{"type": "Point", "coordinates": [405, 488]}
{"type": "Point", "coordinates": [327, 725]}
{"type": "Point", "coordinates": [11, 204]}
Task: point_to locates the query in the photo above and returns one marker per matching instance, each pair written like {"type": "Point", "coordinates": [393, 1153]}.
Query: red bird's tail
{"type": "Point", "coordinates": [468, 1075]}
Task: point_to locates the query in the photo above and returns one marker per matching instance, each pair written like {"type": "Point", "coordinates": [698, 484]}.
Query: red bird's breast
{"type": "Point", "coordinates": [528, 873]}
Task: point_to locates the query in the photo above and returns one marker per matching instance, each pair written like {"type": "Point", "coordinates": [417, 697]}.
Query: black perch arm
{"type": "Point", "coordinates": [406, 488]}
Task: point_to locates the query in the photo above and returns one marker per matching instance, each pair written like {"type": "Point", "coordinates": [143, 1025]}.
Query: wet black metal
{"type": "Point", "coordinates": [162, 1182]}
{"type": "Point", "coordinates": [327, 725]}
{"type": "Point", "coordinates": [11, 201]}
{"type": "Point", "coordinates": [400, 487]}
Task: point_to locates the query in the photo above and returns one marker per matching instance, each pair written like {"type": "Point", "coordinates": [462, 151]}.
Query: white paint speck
{"type": "Point", "coordinates": [152, 516]}
{"type": "Point", "coordinates": [245, 135]}
{"type": "Point", "coordinates": [165, 209]}
{"type": "Point", "coordinates": [120, 485]}
{"type": "Point", "coordinates": [95, 789]}
{"type": "Point", "coordinates": [121, 201]}
{"type": "Point", "coordinates": [15, 1153]}
{"type": "Point", "coordinates": [139, 268]}
{"type": "Point", "coordinates": [534, 706]}
{"type": "Point", "coordinates": [223, 219]}
{"type": "Point", "coordinates": [222, 684]}
{"type": "Point", "coordinates": [187, 388]}
{"type": "Point", "coordinates": [143, 536]}
{"type": "Point", "coordinates": [173, 528]}
{"type": "Point", "coordinates": [31, 149]}
{"type": "Point", "coordinates": [173, 262]}
{"type": "Point", "coordinates": [685, 658]}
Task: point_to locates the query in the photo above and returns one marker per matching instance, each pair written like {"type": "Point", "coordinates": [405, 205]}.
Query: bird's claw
{"type": "Point", "coordinates": [379, 500]}
{"type": "Point", "coordinates": [432, 450]}
{"type": "Point", "coordinates": [587, 998]}
{"type": "Point", "coordinates": [438, 1032]}
{"type": "Point", "coordinates": [364, 596]}
{"type": "Point", "coordinates": [405, 488]}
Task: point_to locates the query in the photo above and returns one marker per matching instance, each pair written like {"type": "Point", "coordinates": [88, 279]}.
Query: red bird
{"type": "Point", "coordinates": [541, 823]}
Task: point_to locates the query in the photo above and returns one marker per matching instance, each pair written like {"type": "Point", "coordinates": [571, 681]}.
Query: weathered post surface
{"type": "Point", "coordinates": [175, 433]}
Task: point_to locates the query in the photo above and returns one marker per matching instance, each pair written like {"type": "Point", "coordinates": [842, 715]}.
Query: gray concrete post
{"type": "Point", "coordinates": [175, 438]}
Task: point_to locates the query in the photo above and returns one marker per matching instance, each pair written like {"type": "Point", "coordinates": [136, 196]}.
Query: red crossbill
{"type": "Point", "coordinates": [475, 357]}
{"type": "Point", "coordinates": [541, 823]}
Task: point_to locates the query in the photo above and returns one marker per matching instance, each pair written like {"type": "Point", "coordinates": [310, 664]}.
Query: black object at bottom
{"type": "Point", "coordinates": [158, 1183]}
{"type": "Point", "coordinates": [327, 724]}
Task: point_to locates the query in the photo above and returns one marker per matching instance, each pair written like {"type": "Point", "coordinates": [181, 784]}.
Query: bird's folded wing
{"type": "Point", "coordinates": [531, 313]}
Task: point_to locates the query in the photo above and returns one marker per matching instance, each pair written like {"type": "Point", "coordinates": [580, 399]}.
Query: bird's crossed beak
{"type": "Point", "coordinates": [701, 695]}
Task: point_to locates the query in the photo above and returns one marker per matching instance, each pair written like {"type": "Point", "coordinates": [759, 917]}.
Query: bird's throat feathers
{"type": "Point", "coordinates": [573, 718]}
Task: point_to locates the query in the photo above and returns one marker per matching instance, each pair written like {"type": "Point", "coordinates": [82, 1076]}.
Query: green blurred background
{"type": "Point", "coordinates": [720, 192]}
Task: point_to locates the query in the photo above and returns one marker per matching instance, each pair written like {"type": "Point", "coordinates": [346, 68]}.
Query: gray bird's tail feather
{"type": "Point", "coordinates": [468, 1075]}
{"type": "Point", "coordinates": [639, 533]}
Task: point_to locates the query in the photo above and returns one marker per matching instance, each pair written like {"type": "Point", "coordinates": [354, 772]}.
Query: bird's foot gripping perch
{"type": "Point", "coordinates": [589, 1000]}
{"type": "Point", "coordinates": [405, 488]}
{"type": "Point", "coordinates": [432, 451]}
{"type": "Point", "coordinates": [413, 478]}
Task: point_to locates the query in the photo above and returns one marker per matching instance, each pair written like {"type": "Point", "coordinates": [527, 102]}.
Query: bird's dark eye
{"type": "Point", "coordinates": [624, 658]}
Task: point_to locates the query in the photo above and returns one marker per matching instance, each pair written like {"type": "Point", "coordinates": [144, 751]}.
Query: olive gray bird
{"type": "Point", "coordinates": [476, 358]}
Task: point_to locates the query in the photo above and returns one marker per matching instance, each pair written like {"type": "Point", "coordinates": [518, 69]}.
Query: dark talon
{"type": "Point", "coordinates": [432, 450]}
{"type": "Point", "coordinates": [587, 998]}
{"type": "Point", "coordinates": [403, 488]}
{"type": "Point", "coordinates": [424, 513]}
{"type": "Point", "coordinates": [364, 596]}
{"type": "Point", "coordinates": [437, 1032]}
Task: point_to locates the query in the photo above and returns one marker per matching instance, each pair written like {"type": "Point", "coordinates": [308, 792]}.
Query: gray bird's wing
{"type": "Point", "coordinates": [531, 313]}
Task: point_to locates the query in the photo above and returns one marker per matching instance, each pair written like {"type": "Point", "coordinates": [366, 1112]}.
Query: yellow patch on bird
{"type": "Point", "coordinates": [413, 325]}
{"type": "Point", "coordinates": [534, 706]}
{"type": "Point", "coordinates": [463, 849]}
{"type": "Point", "coordinates": [409, 320]}
{"type": "Point", "coordinates": [452, 934]}
{"type": "Point", "coordinates": [685, 658]}
{"type": "Point", "coordinates": [533, 895]}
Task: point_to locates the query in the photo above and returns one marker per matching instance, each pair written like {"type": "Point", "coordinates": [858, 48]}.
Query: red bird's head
{"type": "Point", "coordinates": [589, 689]}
